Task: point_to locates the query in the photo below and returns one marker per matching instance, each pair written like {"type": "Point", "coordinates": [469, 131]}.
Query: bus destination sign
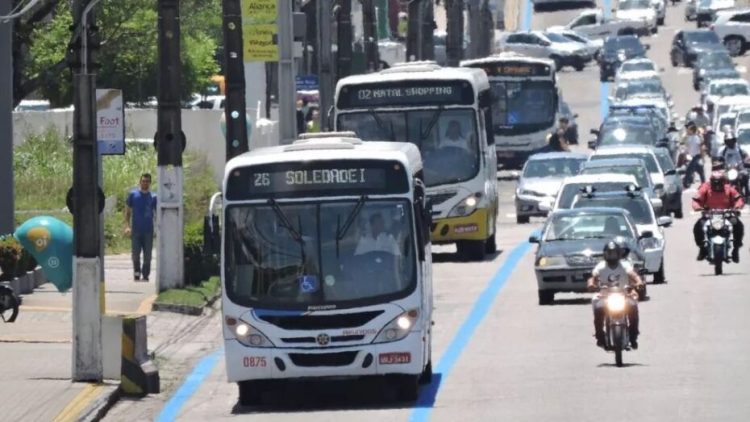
{"type": "Point", "coordinates": [394, 94]}
{"type": "Point", "coordinates": [517, 69]}
{"type": "Point", "coordinates": [317, 179]}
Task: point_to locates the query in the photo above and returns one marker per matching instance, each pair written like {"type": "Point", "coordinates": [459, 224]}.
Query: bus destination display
{"type": "Point", "coordinates": [401, 94]}
{"type": "Point", "coordinates": [517, 69]}
{"type": "Point", "coordinates": [318, 179]}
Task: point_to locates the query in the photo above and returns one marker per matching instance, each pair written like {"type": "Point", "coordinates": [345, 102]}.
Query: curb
{"type": "Point", "coordinates": [99, 408]}
{"type": "Point", "coordinates": [185, 309]}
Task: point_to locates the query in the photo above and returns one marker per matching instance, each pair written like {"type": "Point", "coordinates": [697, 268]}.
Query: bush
{"type": "Point", "coordinates": [198, 265]}
{"type": "Point", "coordinates": [10, 257]}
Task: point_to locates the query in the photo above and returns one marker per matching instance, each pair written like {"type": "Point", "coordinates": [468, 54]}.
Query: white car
{"type": "Point", "coordinates": [571, 186]}
{"type": "Point", "coordinates": [537, 44]}
{"type": "Point", "coordinates": [640, 64]}
{"type": "Point", "coordinates": [637, 75]}
{"type": "Point", "coordinates": [638, 10]}
{"type": "Point", "coordinates": [734, 119]}
{"type": "Point", "coordinates": [743, 136]}
{"type": "Point", "coordinates": [733, 28]}
{"type": "Point", "coordinates": [593, 24]}
{"type": "Point", "coordinates": [721, 88]}
{"type": "Point", "coordinates": [663, 105]}
{"type": "Point", "coordinates": [592, 46]}
{"type": "Point", "coordinates": [727, 105]}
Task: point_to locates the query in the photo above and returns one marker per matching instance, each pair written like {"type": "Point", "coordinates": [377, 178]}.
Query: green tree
{"type": "Point", "coordinates": [128, 52]}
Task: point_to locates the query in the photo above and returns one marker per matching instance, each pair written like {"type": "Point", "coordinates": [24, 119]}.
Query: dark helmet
{"type": "Point", "coordinates": [718, 180]}
{"type": "Point", "coordinates": [623, 245]}
{"type": "Point", "coordinates": [612, 253]}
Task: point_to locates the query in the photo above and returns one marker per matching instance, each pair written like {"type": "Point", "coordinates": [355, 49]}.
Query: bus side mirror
{"type": "Point", "coordinates": [212, 228]}
{"type": "Point", "coordinates": [329, 119]}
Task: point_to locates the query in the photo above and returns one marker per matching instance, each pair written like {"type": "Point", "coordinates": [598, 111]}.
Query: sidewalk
{"type": "Point", "coordinates": [36, 350]}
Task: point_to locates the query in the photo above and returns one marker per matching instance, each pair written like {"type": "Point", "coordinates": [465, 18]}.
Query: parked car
{"type": "Point", "coordinates": [688, 44]}
{"type": "Point", "coordinates": [593, 24]}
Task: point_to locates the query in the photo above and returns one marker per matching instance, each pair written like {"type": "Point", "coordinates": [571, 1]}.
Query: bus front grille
{"type": "Point", "coordinates": [321, 322]}
{"type": "Point", "coordinates": [439, 198]}
{"type": "Point", "coordinates": [311, 340]}
{"type": "Point", "coordinates": [310, 360]}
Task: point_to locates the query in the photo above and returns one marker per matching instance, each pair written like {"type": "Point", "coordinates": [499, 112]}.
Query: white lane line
{"type": "Point", "coordinates": [511, 215]}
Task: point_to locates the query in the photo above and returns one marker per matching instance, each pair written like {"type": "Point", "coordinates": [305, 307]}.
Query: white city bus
{"type": "Point", "coordinates": [525, 104]}
{"type": "Point", "coordinates": [446, 113]}
{"type": "Point", "coordinates": [326, 264]}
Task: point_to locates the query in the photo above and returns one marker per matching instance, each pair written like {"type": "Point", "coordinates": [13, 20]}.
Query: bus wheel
{"type": "Point", "coordinates": [407, 387]}
{"type": "Point", "coordinates": [251, 393]}
{"type": "Point", "coordinates": [472, 250]}
{"type": "Point", "coordinates": [490, 245]}
{"type": "Point", "coordinates": [426, 376]}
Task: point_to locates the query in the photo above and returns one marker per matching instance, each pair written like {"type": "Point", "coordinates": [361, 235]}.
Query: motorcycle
{"type": "Point", "coordinates": [718, 230]}
{"type": "Point", "coordinates": [8, 303]}
{"type": "Point", "coordinates": [616, 333]}
{"type": "Point", "coordinates": [738, 177]}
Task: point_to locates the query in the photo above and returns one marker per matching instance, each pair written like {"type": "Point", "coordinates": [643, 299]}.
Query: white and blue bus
{"type": "Point", "coordinates": [525, 104]}
{"type": "Point", "coordinates": [326, 264]}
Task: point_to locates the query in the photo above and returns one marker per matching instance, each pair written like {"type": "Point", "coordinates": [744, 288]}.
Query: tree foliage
{"type": "Point", "coordinates": [128, 52]}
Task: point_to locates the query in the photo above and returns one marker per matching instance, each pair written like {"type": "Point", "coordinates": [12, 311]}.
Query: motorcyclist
{"type": "Point", "coordinates": [717, 194]}
{"type": "Point", "coordinates": [615, 271]}
{"type": "Point", "coordinates": [693, 142]}
{"type": "Point", "coordinates": [698, 116]}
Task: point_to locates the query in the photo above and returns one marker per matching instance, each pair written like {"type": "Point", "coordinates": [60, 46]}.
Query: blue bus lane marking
{"type": "Point", "coordinates": [202, 370]}
{"type": "Point", "coordinates": [426, 400]}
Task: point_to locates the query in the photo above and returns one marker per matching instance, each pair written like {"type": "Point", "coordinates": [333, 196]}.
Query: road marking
{"type": "Point", "coordinates": [73, 410]}
{"type": "Point", "coordinates": [510, 215]}
{"type": "Point", "coordinates": [604, 99]}
{"type": "Point", "coordinates": [483, 304]}
{"type": "Point", "coordinates": [63, 309]}
{"type": "Point", "coordinates": [205, 366]}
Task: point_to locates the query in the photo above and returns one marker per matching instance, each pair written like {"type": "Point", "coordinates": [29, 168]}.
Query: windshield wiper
{"type": "Point", "coordinates": [430, 124]}
{"type": "Point", "coordinates": [598, 236]}
{"type": "Point", "coordinates": [381, 125]}
{"type": "Point", "coordinates": [341, 231]}
{"type": "Point", "coordinates": [285, 221]}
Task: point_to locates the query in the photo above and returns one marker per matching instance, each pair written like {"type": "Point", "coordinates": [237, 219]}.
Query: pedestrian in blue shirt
{"type": "Point", "coordinates": [139, 220]}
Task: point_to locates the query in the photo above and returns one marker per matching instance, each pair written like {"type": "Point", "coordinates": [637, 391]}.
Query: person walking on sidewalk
{"type": "Point", "coordinates": [139, 225]}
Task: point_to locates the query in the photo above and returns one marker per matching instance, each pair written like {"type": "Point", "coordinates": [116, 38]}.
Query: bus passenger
{"type": "Point", "coordinates": [377, 240]}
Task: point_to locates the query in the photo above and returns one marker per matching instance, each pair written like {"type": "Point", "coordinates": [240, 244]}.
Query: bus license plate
{"type": "Point", "coordinates": [394, 358]}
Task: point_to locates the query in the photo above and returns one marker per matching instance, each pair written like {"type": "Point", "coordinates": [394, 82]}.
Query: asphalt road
{"type": "Point", "coordinates": [530, 363]}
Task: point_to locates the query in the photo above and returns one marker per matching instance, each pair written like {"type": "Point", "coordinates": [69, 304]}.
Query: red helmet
{"type": "Point", "coordinates": [718, 179]}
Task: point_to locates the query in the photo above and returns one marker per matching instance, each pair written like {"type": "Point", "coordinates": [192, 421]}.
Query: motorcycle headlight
{"type": "Point", "coordinates": [465, 206]}
{"type": "Point", "coordinates": [398, 328]}
{"type": "Point", "coordinates": [251, 336]}
{"type": "Point", "coordinates": [616, 302]}
{"type": "Point", "coordinates": [550, 261]}
{"type": "Point", "coordinates": [717, 223]}
{"type": "Point", "coordinates": [732, 175]}
{"type": "Point", "coordinates": [650, 243]}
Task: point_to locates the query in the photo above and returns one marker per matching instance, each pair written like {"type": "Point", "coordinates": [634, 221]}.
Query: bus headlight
{"type": "Point", "coordinates": [398, 328]}
{"type": "Point", "coordinates": [251, 336]}
{"type": "Point", "coordinates": [466, 206]}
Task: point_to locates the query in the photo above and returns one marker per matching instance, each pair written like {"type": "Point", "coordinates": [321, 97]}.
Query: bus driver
{"type": "Point", "coordinates": [377, 240]}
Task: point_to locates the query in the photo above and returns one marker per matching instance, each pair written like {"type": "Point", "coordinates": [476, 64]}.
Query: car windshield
{"type": "Point", "coordinates": [702, 37]}
{"type": "Point", "coordinates": [631, 134]}
{"type": "Point", "coordinates": [639, 208]}
{"type": "Point", "coordinates": [651, 164]}
{"type": "Point", "coordinates": [447, 139]}
{"type": "Point", "coordinates": [715, 61]}
{"type": "Point", "coordinates": [575, 37]}
{"type": "Point", "coordinates": [665, 160]}
{"type": "Point", "coordinates": [588, 226]}
{"type": "Point", "coordinates": [639, 66]}
{"type": "Point", "coordinates": [570, 190]}
{"type": "Point", "coordinates": [305, 255]}
{"type": "Point", "coordinates": [633, 4]}
{"type": "Point", "coordinates": [629, 44]}
{"type": "Point", "coordinates": [727, 90]}
{"type": "Point", "coordinates": [521, 107]}
{"type": "Point", "coordinates": [556, 37]}
{"type": "Point", "coordinates": [641, 176]}
{"type": "Point", "coordinates": [554, 167]}
{"type": "Point", "coordinates": [743, 136]}
{"type": "Point", "coordinates": [740, 118]}
{"type": "Point", "coordinates": [641, 88]}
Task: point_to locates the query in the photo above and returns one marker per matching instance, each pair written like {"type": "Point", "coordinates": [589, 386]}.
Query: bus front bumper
{"type": "Point", "coordinates": [471, 227]}
{"type": "Point", "coordinates": [399, 357]}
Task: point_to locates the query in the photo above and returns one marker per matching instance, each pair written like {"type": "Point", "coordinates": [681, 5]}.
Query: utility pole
{"type": "Point", "coordinates": [170, 142]}
{"type": "Point", "coordinates": [428, 28]}
{"type": "Point", "coordinates": [287, 84]}
{"type": "Point", "coordinates": [475, 28]}
{"type": "Point", "coordinates": [86, 202]}
{"type": "Point", "coordinates": [7, 223]}
{"type": "Point", "coordinates": [413, 32]}
{"type": "Point", "coordinates": [344, 29]}
{"type": "Point", "coordinates": [371, 37]}
{"type": "Point", "coordinates": [486, 20]}
{"type": "Point", "coordinates": [325, 61]}
{"type": "Point", "coordinates": [234, 79]}
{"type": "Point", "coordinates": [454, 42]}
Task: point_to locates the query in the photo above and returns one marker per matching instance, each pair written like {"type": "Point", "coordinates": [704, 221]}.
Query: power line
{"type": "Point", "coordinates": [22, 12]}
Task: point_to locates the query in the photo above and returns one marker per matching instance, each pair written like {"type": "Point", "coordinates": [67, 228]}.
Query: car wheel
{"type": "Point", "coordinates": [655, 29]}
{"type": "Point", "coordinates": [558, 62]}
{"type": "Point", "coordinates": [673, 59]}
{"type": "Point", "coordinates": [678, 214]}
{"type": "Point", "coordinates": [546, 297]}
{"type": "Point", "coordinates": [659, 275]}
{"type": "Point", "coordinates": [660, 21]}
{"type": "Point", "coordinates": [579, 66]}
{"type": "Point", "coordinates": [522, 219]}
{"type": "Point", "coordinates": [735, 45]}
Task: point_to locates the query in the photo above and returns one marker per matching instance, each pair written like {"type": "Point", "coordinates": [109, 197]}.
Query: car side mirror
{"type": "Point", "coordinates": [648, 234]}
{"type": "Point", "coordinates": [535, 236]}
{"type": "Point", "coordinates": [594, 132]}
{"type": "Point", "coordinates": [670, 172]}
{"type": "Point", "coordinates": [592, 144]}
{"type": "Point", "coordinates": [647, 46]}
{"type": "Point", "coordinates": [664, 221]}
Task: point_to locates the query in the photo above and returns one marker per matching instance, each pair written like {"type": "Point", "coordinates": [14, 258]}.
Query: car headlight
{"type": "Point", "coordinates": [717, 223]}
{"type": "Point", "coordinates": [702, 72]}
{"type": "Point", "coordinates": [651, 243]}
{"type": "Point", "coordinates": [466, 206]}
{"type": "Point", "coordinates": [621, 57]}
{"type": "Point", "coordinates": [732, 175]}
{"type": "Point", "coordinates": [398, 328]}
{"type": "Point", "coordinates": [251, 336]}
{"type": "Point", "coordinates": [616, 302]}
{"type": "Point", "coordinates": [550, 261]}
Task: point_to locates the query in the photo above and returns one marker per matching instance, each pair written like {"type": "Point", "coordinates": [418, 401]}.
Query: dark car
{"type": "Point", "coordinates": [615, 51]}
{"type": "Point", "coordinates": [636, 130]}
{"type": "Point", "coordinates": [688, 44]}
{"type": "Point", "coordinates": [714, 64]}
{"type": "Point", "coordinates": [571, 243]}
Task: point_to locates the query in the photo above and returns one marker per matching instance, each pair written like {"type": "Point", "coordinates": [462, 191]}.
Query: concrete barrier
{"type": "Point", "coordinates": [138, 374]}
{"type": "Point", "coordinates": [112, 346]}
{"type": "Point", "coordinates": [39, 277]}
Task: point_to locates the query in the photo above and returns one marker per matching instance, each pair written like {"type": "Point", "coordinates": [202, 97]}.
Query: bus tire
{"type": "Point", "coordinates": [471, 250]}
{"type": "Point", "coordinates": [251, 393]}
{"type": "Point", "coordinates": [490, 245]}
{"type": "Point", "coordinates": [426, 376]}
{"type": "Point", "coordinates": [407, 387]}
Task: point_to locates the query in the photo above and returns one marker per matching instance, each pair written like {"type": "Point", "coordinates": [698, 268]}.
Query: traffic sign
{"type": "Point", "coordinates": [110, 122]}
{"type": "Point", "coordinates": [307, 82]}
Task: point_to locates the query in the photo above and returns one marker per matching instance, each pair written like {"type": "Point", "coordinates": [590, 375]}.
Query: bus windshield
{"type": "Point", "coordinates": [447, 138]}
{"type": "Point", "coordinates": [521, 107]}
{"type": "Point", "coordinates": [319, 255]}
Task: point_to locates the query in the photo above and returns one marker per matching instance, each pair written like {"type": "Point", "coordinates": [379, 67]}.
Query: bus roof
{"type": "Point", "coordinates": [331, 146]}
{"type": "Point", "coordinates": [419, 71]}
{"type": "Point", "coordinates": [504, 56]}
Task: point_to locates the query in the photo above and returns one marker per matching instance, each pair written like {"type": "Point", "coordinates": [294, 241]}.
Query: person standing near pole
{"type": "Point", "coordinates": [139, 225]}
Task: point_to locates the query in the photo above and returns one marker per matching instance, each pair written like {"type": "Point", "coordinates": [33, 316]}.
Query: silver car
{"type": "Point", "coordinates": [537, 44]}
{"type": "Point", "coordinates": [540, 180]}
